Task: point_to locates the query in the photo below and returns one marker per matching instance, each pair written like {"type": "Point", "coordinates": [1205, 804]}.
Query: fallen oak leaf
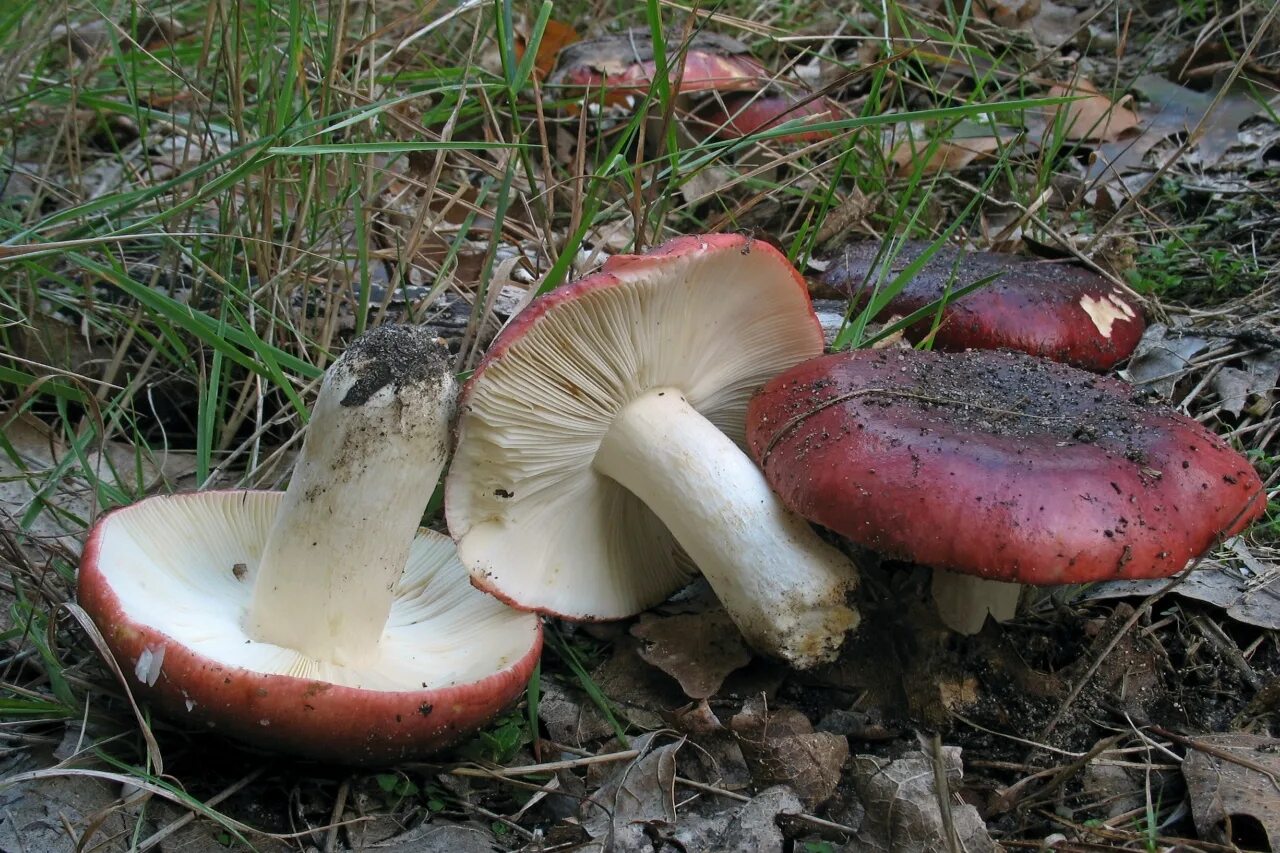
{"type": "Point", "coordinates": [555, 37]}
{"type": "Point", "coordinates": [947, 156]}
{"type": "Point", "coordinates": [1176, 109]}
{"type": "Point", "coordinates": [1092, 116]}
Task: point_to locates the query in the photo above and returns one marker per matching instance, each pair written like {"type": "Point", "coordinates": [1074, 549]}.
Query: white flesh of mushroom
{"type": "Point", "coordinates": [782, 585]}
{"type": "Point", "coordinates": [375, 446]}
{"type": "Point", "coordinates": [573, 480]}
{"type": "Point", "coordinates": [964, 601]}
{"type": "Point", "coordinates": [186, 564]}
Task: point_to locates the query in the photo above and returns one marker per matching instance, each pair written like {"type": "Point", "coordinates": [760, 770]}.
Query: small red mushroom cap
{"type": "Point", "coordinates": [999, 465]}
{"type": "Point", "coordinates": [175, 628]}
{"type": "Point", "coordinates": [1057, 311]}
{"type": "Point", "coordinates": [743, 114]}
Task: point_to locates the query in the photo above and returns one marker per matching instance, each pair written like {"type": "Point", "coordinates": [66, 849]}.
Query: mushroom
{"type": "Point", "coordinates": [624, 67]}
{"type": "Point", "coordinates": [742, 114]}
{"type": "Point", "coordinates": [1058, 311]}
{"type": "Point", "coordinates": [316, 621]}
{"type": "Point", "coordinates": [603, 428]}
{"type": "Point", "coordinates": [999, 465]}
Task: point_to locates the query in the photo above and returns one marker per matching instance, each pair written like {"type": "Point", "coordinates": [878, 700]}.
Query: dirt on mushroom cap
{"type": "Point", "coordinates": [998, 464]}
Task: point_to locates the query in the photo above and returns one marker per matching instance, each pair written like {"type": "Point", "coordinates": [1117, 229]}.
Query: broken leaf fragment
{"type": "Point", "coordinates": [1232, 783]}
{"type": "Point", "coordinates": [699, 650]}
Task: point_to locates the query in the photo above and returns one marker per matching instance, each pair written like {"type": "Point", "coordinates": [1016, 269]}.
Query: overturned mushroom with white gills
{"type": "Point", "coordinates": [598, 443]}
{"type": "Point", "coordinates": [321, 621]}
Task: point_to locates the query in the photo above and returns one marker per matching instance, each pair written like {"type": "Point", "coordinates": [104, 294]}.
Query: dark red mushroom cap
{"type": "Point", "coordinates": [743, 114]}
{"type": "Point", "coordinates": [998, 464]}
{"type": "Point", "coordinates": [1059, 311]}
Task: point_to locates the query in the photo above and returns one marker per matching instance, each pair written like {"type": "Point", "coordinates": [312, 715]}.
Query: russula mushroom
{"type": "Point", "coordinates": [315, 621]}
{"type": "Point", "coordinates": [619, 69]}
{"type": "Point", "coordinates": [997, 465]}
{"type": "Point", "coordinates": [1058, 311]}
{"type": "Point", "coordinates": [742, 114]}
{"type": "Point", "coordinates": [602, 429]}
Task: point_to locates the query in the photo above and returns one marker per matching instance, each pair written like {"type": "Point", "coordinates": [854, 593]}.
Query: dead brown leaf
{"type": "Point", "coordinates": [1233, 783]}
{"type": "Point", "coordinates": [640, 793]}
{"type": "Point", "coordinates": [557, 36]}
{"type": "Point", "coordinates": [949, 156]}
{"type": "Point", "coordinates": [699, 650]}
{"type": "Point", "coordinates": [781, 747]}
{"type": "Point", "coordinates": [902, 805]}
{"type": "Point", "coordinates": [1093, 117]}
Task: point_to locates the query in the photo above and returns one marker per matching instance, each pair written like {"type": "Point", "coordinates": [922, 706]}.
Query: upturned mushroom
{"type": "Point", "coordinates": [1058, 311]}
{"type": "Point", "coordinates": [997, 468]}
{"type": "Point", "coordinates": [320, 621]}
{"type": "Point", "coordinates": [599, 439]}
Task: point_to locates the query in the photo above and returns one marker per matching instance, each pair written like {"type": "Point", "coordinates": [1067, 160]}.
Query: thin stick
{"type": "Point", "coordinates": [161, 834]}
{"type": "Point", "coordinates": [547, 767]}
{"type": "Point", "coordinates": [812, 820]}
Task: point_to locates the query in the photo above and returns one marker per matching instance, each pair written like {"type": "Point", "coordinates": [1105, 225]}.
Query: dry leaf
{"type": "Point", "coordinates": [781, 747]}
{"type": "Point", "coordinates": [949, 156]}
{"type": "Point", "coordinates": [755, 826]}
{"type": "Point", "coordinates": [1093, 117]}
{"type": "Point", "coordinates": [901, 802]}
{"type": "Point", "coordinates": [699, 650]}
{"type": "Point", "coordinates": [641, 792]}
{"type": "Point", "coordinates": [557, 36]}
{"type": "Point", "coordinates": [1232, 782]}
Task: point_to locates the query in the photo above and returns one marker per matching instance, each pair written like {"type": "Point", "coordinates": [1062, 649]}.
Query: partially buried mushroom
{"type": "Point", "coordinates": [1058, 311]}
{"type": "Point", "coordinates": [599, 436]}
{"type": "Point", "coordinates": [997, 465]}
{"type": "Point", "coordinates": [320, 621]}
{"type": "Point", "coordinates": [743, 114]}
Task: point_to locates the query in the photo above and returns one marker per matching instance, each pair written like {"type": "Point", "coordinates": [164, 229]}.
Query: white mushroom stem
{"type": "Point", "coordinates": [964, 601]}
{"type": "Point", "coordinates": [374, 449]}
{"type": "Point", "coordinates": [783, 586]}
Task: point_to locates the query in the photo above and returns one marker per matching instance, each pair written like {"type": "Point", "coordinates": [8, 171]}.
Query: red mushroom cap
{"type": "Point", "coordinates": [193, 678]}
{"type": "Point", "coordinates": [743, 114]}
{"type": "Point", "coordinates": [1058, 311]}
{"type": "Point", "coordinates": [998, 464]}
{"type": "Point", "coordinates": [624, 66]}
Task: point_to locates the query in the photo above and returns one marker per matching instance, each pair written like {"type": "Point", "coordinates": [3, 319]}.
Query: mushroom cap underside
{"type": "Point", "coordinates": [713, 316]}
{"type": "Point", "coordinates": [168, 582]}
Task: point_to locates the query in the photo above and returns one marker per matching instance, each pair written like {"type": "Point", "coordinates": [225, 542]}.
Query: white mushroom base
{"type": "Point", "coordinates": [964, 601]}
{"type": "Point", "coordinates": [185, 565]}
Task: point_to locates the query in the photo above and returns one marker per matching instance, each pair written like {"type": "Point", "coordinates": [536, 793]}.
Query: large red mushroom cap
{"type": "Point", "coordinates": [999, 465]}
{"type": "Point", "coordinates": [1059, 311]}
{"type": "Point", "coordinates": [168, 581]}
